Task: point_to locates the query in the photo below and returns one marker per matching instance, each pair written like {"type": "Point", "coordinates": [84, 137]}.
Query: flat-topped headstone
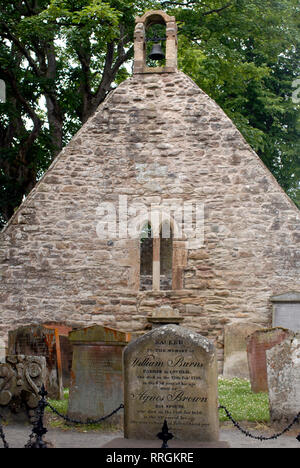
{"type": "Point", "coordinates": [96, 378]}
{"type": "Point", "coordinates": [170, 374]}
{"type": "Point", "coordinates": [283, 369]}
{"type": "Point", "coordinates": [36, 340]}
{"type": "Point", "coordinates": [286, 310]}
{"type": "Point", "coordinates": [257, 345]}
{"type": "Point", "coordinates": [235, 349]}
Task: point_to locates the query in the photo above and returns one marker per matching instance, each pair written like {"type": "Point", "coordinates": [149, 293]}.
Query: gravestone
{"type": "Point", "coordinates": [66, 351]}
{"type": "Point", "coordinates": [36, 340]}
{"type": "Point", "coordinates": [170, 374]}
{"type": "Point", "coordinates": [257, 345]}
{"type": "Point", "coordinates": [235, 349]}
{"type": "Point", "coordinates": [21, 378]}
{"type": "Point", "coordinates": [96, 379]}
{"type": "Point", "coordinates": [283, 370]}
{"type": "Point", "coordinates": [286, 311]}
{"type": "Point", "coordinates": [2, 351]}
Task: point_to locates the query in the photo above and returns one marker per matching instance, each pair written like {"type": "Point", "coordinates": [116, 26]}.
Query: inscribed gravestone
{"type": "Point", "coordinates": [170, 374]}
{"type": "Point", "coordinates": [96, 379]}
{"type": "Point", "coordinates": [283, 370]}
{"type": "Point", "coordinates": [21, 378]}
{"type": "Point", "coordinates": [286, 311]}
{"type": "Point", "coordinates": [235, 349]}
{"type": "Point", "coordinates": [257, 345]}
{"type": "Point", "coordinates": [36, 340]}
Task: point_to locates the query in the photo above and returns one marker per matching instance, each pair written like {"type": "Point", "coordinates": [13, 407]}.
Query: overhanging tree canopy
{"type": "Point", "coordinates": [60, 59]}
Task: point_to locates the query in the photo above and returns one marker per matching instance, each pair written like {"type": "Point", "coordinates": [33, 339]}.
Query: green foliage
{"type": "Point", "coordinates": [60, 59]}
{"type": "Point", "coordinates": [246, 58]}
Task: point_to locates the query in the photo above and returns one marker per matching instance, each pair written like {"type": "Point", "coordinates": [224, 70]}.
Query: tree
{"type": "Point", "coordinates": [65, 54]}
{"type": "Point", "coordinates": [60, 59]}
{"type": "Point", "coordinates": [246, 55]}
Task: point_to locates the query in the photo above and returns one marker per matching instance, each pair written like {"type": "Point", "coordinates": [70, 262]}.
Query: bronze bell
{"type": "Point", "coordinates": [156, 53]}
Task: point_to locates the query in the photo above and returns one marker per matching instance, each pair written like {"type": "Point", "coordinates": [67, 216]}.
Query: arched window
{"type": "Point", "coordinates": [146, 258]}
{"type": "Point", "coordinates": [166, 257]}
{"type": "Point", "coordinates": [156, 258]}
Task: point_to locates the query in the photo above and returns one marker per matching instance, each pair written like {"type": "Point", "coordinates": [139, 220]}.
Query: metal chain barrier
{"type": "Point", "coordinates": [36, 437]}
{"type": "Point", "coordinates": [88, 421]}
{"type": "Point", "coordinates": [261, 438]}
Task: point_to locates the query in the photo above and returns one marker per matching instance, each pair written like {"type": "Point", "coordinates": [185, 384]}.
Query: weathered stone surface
{"type": "Point", "coordinates": [286, 310]}
{"type": "Point", "coordinates": [2, 350]}
{"type": "Point", "coordinates": [235, 349]}
{"type": "Point", "coordinates": [257, 345]}
{"type": "Point", "coordinates": [96, 380]}
{"type": "Point", "coordinates": [66, 351]}
{"type": "Point", "coordinates": [36, 340]}
{"type": "Point", "coordinates": [170, 374]}
{"type": "Point", "coordinates": [21, 378]}
{"type": "Point", "coordinates": [159, 137]}
{"type": "Point", "coordinates": [283, 369]}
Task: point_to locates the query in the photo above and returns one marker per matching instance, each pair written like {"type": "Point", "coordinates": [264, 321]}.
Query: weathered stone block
{"type": "Point", "coordinates": [96, 380]}
{"type": "Point", "coordinates": [257, 345]}
{"type": "Point", "coordinates": [235, 349]}
{"type": "Point", "coordinates": [36, 340]}
{"type": "Point", "coordinates": [21, 379]}
{"type": "Point", "coordinates": [283, 370]}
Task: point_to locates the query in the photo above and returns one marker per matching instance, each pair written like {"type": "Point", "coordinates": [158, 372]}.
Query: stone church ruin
{"type": "Point", "coordinates": [87, 246]}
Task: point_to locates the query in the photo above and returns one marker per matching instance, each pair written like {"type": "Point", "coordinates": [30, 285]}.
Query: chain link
{"type": "Point", "coordinates": [88, 421]}
{"type": "Point", "coordinates": [261, 438]}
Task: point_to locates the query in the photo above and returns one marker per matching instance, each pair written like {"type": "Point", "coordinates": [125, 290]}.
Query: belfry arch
{"type": "Point", "coordinates": [140, 38]}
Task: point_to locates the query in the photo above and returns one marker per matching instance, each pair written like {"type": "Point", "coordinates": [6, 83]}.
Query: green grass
{"type": "Point", "coordinates": [234, 394]}
{"type": "Point", "coordinates": [241, 402]}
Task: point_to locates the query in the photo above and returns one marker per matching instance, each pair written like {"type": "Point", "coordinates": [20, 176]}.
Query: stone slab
{"type": "Point", "coordinates": [99, 334]}
{"type": "Point", "coordinates": [257, 345]}
{"type": "Point", "coordinates": [120, 442]}
{"type": "Point", "coordinates": [287, 315]}
{"type": "Point", "coordinates": [96, 388]}
{"type": "Point", "coordinates": [283, 370]}
{"type": "Point", "coordinates": [235, 349]}
{"type": "Point", "coordinates": [170, 374]}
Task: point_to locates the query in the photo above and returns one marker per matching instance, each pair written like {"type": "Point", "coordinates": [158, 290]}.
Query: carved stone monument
{"type": "Point", "coordinates": [36, 340]}
{"type": "Point", "coordinates": [96, 379]}
{"type": "Point", "coordinates": [283, 369]}
{"type": "Point", "coordinates": [257, 345]}
{"type": "Point", "coordinates": [21, 378]}
{"type": "Point", "coordinates": [286, 310]}
{"type": "Point", "coordinates": [170, 374]}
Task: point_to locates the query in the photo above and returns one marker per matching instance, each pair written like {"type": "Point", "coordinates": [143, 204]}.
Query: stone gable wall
{"type": "Point", "coordinates": [156, 137]}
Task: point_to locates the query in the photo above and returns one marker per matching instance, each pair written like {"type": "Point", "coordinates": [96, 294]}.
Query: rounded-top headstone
{"type": "Point", "coordinates": [170, 374]}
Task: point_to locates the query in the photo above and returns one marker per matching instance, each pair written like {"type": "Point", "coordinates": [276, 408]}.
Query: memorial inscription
{"type": "Point", "coordinates": [171, 373]}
